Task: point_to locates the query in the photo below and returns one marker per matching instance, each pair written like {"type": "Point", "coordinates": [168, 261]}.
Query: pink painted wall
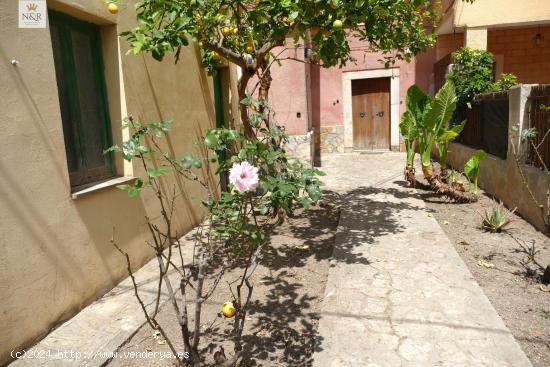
{"type": "Point", "coordinates": [424, 71]}
{"type": "Point", "coordinates": [329, 83]}
{"type": "Point", "coordinates": [288, 93]}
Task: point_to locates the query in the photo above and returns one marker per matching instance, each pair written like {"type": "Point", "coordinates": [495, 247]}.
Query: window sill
{"type": "Point", "coordinates": [83, 190]}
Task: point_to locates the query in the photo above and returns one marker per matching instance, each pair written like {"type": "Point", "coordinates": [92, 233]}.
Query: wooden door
{"type": "Point", "coordinates": [371, 113]}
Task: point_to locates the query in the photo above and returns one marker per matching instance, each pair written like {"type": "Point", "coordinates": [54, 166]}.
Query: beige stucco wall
{"type": "Point", "coordinates": [476, 38]}
{"type": "Point", "coordinates": [492, 13]}
{"type": "Point", "coordinates": [501, 177]}
{"type": "Point", "coordinates": [56, 256]}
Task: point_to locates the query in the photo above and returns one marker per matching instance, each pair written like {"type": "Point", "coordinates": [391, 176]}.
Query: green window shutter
{"type": "Point", "coordinates": [218, 98]}
{"type": "Point", "coordinates": [218, 105]}
{"type": "Point", "coordinates": [82, 98]}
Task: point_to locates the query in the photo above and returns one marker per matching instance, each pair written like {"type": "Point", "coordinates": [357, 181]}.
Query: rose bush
{"type": "Point", "coordinates": [244, 176]}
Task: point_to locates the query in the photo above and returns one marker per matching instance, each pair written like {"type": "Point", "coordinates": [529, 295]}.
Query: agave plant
{"type": "Point", "coordinates": [417, 105]}
{"type": "Point", "coordinates": [437, 115]}
{"type": "Point", "coordinates": [498, 219]}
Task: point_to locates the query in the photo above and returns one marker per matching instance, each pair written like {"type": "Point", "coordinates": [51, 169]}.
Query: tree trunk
{"type": "Point", "coordinates": [263, 94]}
{"type": "Point", "coordinates": [410, 175]}
{"type": "Point", "coordinates": [445, 190]}
{"type": "Point", "coordinates": [249, 131]}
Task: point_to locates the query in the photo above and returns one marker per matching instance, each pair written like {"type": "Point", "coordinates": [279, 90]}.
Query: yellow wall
{"type": "Point", "coordinates": [491, 13]}
{"type": "Point", "coordinates": [476, 38]}
{"type": "Point", "coordinates": [56, 256]}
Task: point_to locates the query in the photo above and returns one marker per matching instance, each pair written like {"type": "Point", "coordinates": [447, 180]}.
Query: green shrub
{"type": "Point", "coordinates": [472, 74]}
{"type": "Point", "coordinates": [505, 82]}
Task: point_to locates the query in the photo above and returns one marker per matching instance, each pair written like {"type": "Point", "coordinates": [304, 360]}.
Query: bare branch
{"type": "Point", "coordinates": [198, 304]}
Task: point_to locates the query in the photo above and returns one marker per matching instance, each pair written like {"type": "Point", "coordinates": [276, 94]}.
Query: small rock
{"type": "Point", "coordinates": [538, 334]}
{"type": "Point", "coordinates": [485, 264]}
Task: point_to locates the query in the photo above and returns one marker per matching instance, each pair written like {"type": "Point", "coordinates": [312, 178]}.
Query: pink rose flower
{"type": "Point", "coordinates": [244, 176]}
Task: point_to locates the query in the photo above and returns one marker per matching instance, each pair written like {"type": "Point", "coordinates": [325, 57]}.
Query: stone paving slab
{"type": "Point", "coordinates": [398, 294]}
{"type": "Point", "coordinates": [92, 336]}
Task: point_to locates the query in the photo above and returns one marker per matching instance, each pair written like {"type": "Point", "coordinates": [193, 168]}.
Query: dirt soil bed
{"type": "Point", "coordinates": [288, 291]}
{"type": "Point", "coordinates": [513, 285]}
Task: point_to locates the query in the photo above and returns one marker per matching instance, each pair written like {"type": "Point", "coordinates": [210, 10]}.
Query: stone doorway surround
{"type": "Point", "coordinates": [347, 77]}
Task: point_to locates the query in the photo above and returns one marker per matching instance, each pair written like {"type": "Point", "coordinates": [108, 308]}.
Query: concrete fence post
{"type": "Point", "coordinates": [518, 116]}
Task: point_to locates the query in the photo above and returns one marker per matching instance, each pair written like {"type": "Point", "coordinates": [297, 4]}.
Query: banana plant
{"type": "Point", "coordinates": [440, 112]}
{"type": "Point", "coordinates": [471, 169]}
{"type": "Point", "coordinates": [417, 105]}
{"type": "Point", "coordinates": [446, 135]}
{"type": "Point", "coordinates": [435, 116]}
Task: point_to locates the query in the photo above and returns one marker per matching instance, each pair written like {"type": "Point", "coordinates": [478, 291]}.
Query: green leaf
{"type": "Point", "coordinates": [458, 128]}
{"type": "Point", "coordinates": [471, 168]}
{"type": "Point", "coordinates": [131, 190]}
{"type": "Point", "coordinates": [152, 172]}
{"type": "Point", "coordinates": [442, 107]}
{"type": "Point", "coordinates": [134, 191]}
{"type": "Point", "coordinates": [416, 99]}
{"type": "Point", "coordinates": [211, 139]}
{"type": "Point", "coordinates": [447, 135]}
{"type": "Point", "coordinates": [407, 127]}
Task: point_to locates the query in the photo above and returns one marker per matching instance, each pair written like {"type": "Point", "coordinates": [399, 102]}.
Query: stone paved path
{"type": "Point", "coordinates": [398, 294]}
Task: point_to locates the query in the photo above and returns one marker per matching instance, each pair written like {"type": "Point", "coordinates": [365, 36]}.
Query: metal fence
{"type": "Point", "coordinates": [487, 124]}
{"type": "Point", "coordinates": [539, 118]}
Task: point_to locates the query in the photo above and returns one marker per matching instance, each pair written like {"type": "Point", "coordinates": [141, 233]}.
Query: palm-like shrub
{"type": "Point", "coordinates": [417, 106]}
{"type": "Point", "coordinates": [444, 138]}
{"type": "Point", "coordinates": [426, 122]}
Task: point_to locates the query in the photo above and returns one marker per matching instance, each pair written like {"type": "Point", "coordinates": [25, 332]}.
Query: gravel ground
{"type": "Point", "coordinates": [513, 285]}
{"type": "Point", "coordinates": [289, 286]}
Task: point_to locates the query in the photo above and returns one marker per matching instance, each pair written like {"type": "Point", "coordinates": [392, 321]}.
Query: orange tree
{"type": "Point", "coordinates": [264, 184]}
{"type": "Point", "coordinates": [246, 32]}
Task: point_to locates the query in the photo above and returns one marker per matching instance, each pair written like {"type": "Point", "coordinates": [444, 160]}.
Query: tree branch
{"type": "Point", "coordinates": [230, 55]}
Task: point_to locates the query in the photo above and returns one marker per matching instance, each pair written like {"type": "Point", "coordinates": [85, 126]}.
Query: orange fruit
{"type": "Point", "coordinates": [314, 30]}
{"type": "Point", "coordinates": [113, 8]}
{"type": "Point", "coordinates": [228, 309]}
{"type": "Point", "coordinates": [250, 47]}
